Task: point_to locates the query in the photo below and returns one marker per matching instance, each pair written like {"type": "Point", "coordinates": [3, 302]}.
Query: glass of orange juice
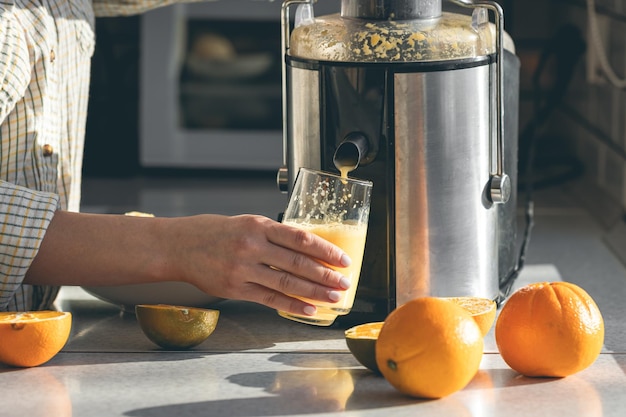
{"type": "Point", "coordinates": [335, 208]}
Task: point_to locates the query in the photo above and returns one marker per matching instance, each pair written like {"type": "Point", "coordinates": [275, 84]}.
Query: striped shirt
{"type": "Point", "coordinates": [45, 56]}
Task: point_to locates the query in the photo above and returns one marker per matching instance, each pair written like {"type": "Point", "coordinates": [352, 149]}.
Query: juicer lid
{"type": "Point", "coordinates": [370, 31]}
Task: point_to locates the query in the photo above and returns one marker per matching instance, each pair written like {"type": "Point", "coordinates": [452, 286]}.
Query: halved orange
{"type": "Point", "coordinates": [482, 310]}
{"type": "Point", "coordinates": [138, 214]}
{"type": "Point", "coordinates": [32, 338]}
{"type": "Point", "coordinates": [176, 327]}
{"type": "Point", "coordinates": [361, 341]}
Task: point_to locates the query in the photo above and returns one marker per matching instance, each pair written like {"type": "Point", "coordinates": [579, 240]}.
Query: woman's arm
{"type": "Point", "coordinates": [244, 257]}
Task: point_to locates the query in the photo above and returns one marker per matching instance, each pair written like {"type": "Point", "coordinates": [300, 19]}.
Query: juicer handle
{"type": "Point", "coordinates": [500, 183]}
{"type": "Point", "coordinates": [284, 43]}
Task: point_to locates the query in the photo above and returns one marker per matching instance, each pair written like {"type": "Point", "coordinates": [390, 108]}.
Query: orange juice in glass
{"type": "Point", "coordinates": [335, 208]}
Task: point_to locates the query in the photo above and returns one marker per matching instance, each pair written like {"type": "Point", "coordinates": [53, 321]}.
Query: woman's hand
{"type": "Point", "coordinates": [254, 258]}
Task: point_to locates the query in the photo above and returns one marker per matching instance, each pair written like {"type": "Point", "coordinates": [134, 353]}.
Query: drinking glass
{"type": "Point", "coordinates": [335, 208]}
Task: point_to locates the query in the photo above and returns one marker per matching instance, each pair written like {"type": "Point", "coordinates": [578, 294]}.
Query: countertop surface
{"type": "Point", "coordinates": [259, 364]}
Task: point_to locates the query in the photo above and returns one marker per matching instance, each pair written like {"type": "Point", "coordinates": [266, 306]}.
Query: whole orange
{"type": "Point", "coordinates": [34, 337]}
{"type": "Point", "coordinates": [549, 329]}
{"type": "Point", "coordinates": [429, 347]}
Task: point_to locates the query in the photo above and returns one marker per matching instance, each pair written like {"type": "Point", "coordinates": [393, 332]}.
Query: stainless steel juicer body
{"type": "Point", "coordinates": [436, 134]}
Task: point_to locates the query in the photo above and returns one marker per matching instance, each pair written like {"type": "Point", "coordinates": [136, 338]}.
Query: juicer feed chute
{"type": "Point", "coordinates": [424, 103]}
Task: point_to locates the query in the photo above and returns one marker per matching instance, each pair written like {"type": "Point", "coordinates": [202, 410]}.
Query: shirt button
{"type": "Point", "coordinates": [47, 150]}
{"type": "Point", "coordinates": [52, 55]}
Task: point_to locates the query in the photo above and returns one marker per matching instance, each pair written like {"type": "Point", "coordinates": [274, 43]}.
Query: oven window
{"type": "Point", "coordinates": [231, 76]}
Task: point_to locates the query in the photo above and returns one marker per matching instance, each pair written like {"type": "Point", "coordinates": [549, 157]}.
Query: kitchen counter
{"type": "Point", "coordinates": [258, 364]}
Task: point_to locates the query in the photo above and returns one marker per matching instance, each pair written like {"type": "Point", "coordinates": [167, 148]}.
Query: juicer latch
{"type": "Point", "coordinates": [500, 188]}
{"type": "Point", "coordinates": [282, 179]}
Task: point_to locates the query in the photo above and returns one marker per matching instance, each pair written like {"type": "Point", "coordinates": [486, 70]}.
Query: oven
{"type": "Point", "coordinates": [210, 86]}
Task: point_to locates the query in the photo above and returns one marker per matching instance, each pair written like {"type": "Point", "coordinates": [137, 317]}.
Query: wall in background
{"type": "Point", "coordinates": [581, 140]}
{"type": "Point", "coordinates": [593, 112]}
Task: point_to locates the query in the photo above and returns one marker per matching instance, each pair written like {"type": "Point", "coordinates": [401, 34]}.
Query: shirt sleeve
{"type": "Point", "coordinates": [109, 8]}
{"type": "Point", "coordinates": [26, 215]}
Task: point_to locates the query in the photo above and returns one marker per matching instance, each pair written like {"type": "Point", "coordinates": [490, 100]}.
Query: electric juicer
{"type": "Point", "coordinates": [424, 103]}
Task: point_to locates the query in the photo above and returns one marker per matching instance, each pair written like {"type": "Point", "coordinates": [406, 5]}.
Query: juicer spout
{"type": "Point", "coordinates": [351, 152]}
